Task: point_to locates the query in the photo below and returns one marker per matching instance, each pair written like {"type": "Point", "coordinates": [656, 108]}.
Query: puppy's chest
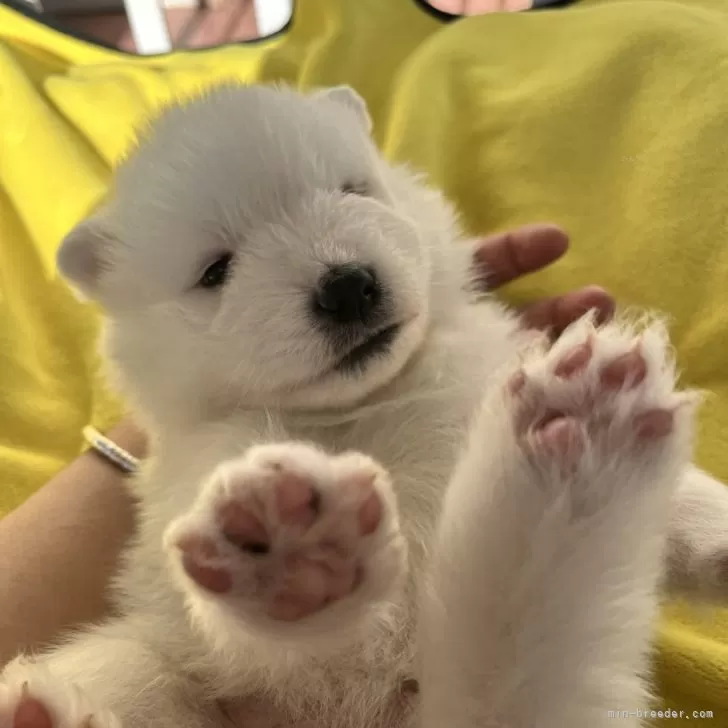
{"type": "Point", "coordinates": [370, 684]}
{"type": "Point", "coordinates": [375, 699]}
{"type": "Point", "coordinates": [262, 713]}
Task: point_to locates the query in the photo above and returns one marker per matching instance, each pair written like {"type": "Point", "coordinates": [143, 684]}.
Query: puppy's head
{"type": "Point", "coordinates": [254, 253]}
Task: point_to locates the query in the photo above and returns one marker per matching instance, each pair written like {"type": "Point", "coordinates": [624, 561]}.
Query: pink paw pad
{"type": "Point", "coordinates": [516, 383]}
{"type": "Point", "coordinates": [317, 577]}
{"type": "Point", "coordinates": [654, 424]}
{"type": "Point", "coordinates": [298, 501]}
{"type": "Point", "coordinates": [31, 713]}
{"type": "Point", "coordinates": [574, 361]}
{"type": "Point", "coordinates": [370, 512]}
{"type": "Point", "coordinates": [625, 372]}
{"type": "Point", "coordinates": [559, 434]}
{"type": "Point", "coordinates": [197, 553]}
{"type": "Point", "coordinates": [574, 394]}
{"type": "Point", "coordinates": [31, 697]}
{"type": "Point", "coordinates": [290, 542]}
{"type": "Point", "coordinates": [311, 583]}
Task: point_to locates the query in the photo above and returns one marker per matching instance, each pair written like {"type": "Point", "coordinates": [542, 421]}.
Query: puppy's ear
{"type": "Point", "coordinates": [84, 256]}
{"type": "Point", "coordinates": [346, 96]}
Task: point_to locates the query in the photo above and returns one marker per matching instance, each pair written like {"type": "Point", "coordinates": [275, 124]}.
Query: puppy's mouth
{"type": "Point", "coordinates": [376, 345]}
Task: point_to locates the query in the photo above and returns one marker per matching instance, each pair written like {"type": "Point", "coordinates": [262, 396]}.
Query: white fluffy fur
{"type": "Point", "coordinates": [529, 606]}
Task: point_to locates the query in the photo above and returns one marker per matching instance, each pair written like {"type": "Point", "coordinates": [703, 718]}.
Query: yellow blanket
{"type": "Point", "coordinates": [609, 118]}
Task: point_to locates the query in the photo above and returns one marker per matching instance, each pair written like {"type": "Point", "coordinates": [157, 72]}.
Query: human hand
{"type": "Point", "coordinates": [503, 257]}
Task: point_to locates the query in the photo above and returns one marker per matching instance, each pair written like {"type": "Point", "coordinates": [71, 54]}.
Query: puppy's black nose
{"type": "Point", "coordinates": [347, 294]}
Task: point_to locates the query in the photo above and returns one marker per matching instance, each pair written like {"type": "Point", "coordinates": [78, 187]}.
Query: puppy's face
{"type": "Point", "coordinates": [253, 254]}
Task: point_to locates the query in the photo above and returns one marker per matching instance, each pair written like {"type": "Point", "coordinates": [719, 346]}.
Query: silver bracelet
{"type": "Point", "coordinates": [110, 451]}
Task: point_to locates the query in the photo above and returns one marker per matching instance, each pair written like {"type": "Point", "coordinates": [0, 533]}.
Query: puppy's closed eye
{"type": "Point", "coordinates": [216, 274]}
{"type": "Point", "coordinates": [355, 188]}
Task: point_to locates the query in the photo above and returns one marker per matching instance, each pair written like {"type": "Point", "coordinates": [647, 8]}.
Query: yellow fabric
{"type": "Point", "coordinates": [608, 118]}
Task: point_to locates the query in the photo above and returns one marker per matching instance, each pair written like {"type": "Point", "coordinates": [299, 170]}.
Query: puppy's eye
{"type": "Point", "coordinates": [217, 273]}
{"type": "Point", "coordinates": [351, 188]}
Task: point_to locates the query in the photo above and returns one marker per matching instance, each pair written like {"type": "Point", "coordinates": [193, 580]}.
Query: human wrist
{"type": "Point", "coordinates": [129, 437]}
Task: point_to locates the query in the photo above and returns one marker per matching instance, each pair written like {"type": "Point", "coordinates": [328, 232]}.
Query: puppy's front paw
{"type": "Point", "coordinates": [30, 697]}
{"type": "Point", "coordinates": [287, 534]}
{"type": "Point", "coordinates": [598, 414]}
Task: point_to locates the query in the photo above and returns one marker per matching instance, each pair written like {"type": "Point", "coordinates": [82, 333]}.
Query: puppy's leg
{"type": "Point", "coordinates": [289, 543]}
{"type": "Point", "coordinates": [697, 556]}
{"type": "Point", "coordinates": [543, 592]}
{"type": "Point", "coordinates": [104, 678]}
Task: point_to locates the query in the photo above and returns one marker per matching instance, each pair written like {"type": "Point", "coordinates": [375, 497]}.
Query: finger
{"type": "Point", "coordinates": [555, 314]}
{"type": "Point", "coordinates": [501, 258]}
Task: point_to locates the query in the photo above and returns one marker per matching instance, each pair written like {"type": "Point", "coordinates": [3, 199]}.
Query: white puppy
{"type": "Point", "coordinates": [489, 560]}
